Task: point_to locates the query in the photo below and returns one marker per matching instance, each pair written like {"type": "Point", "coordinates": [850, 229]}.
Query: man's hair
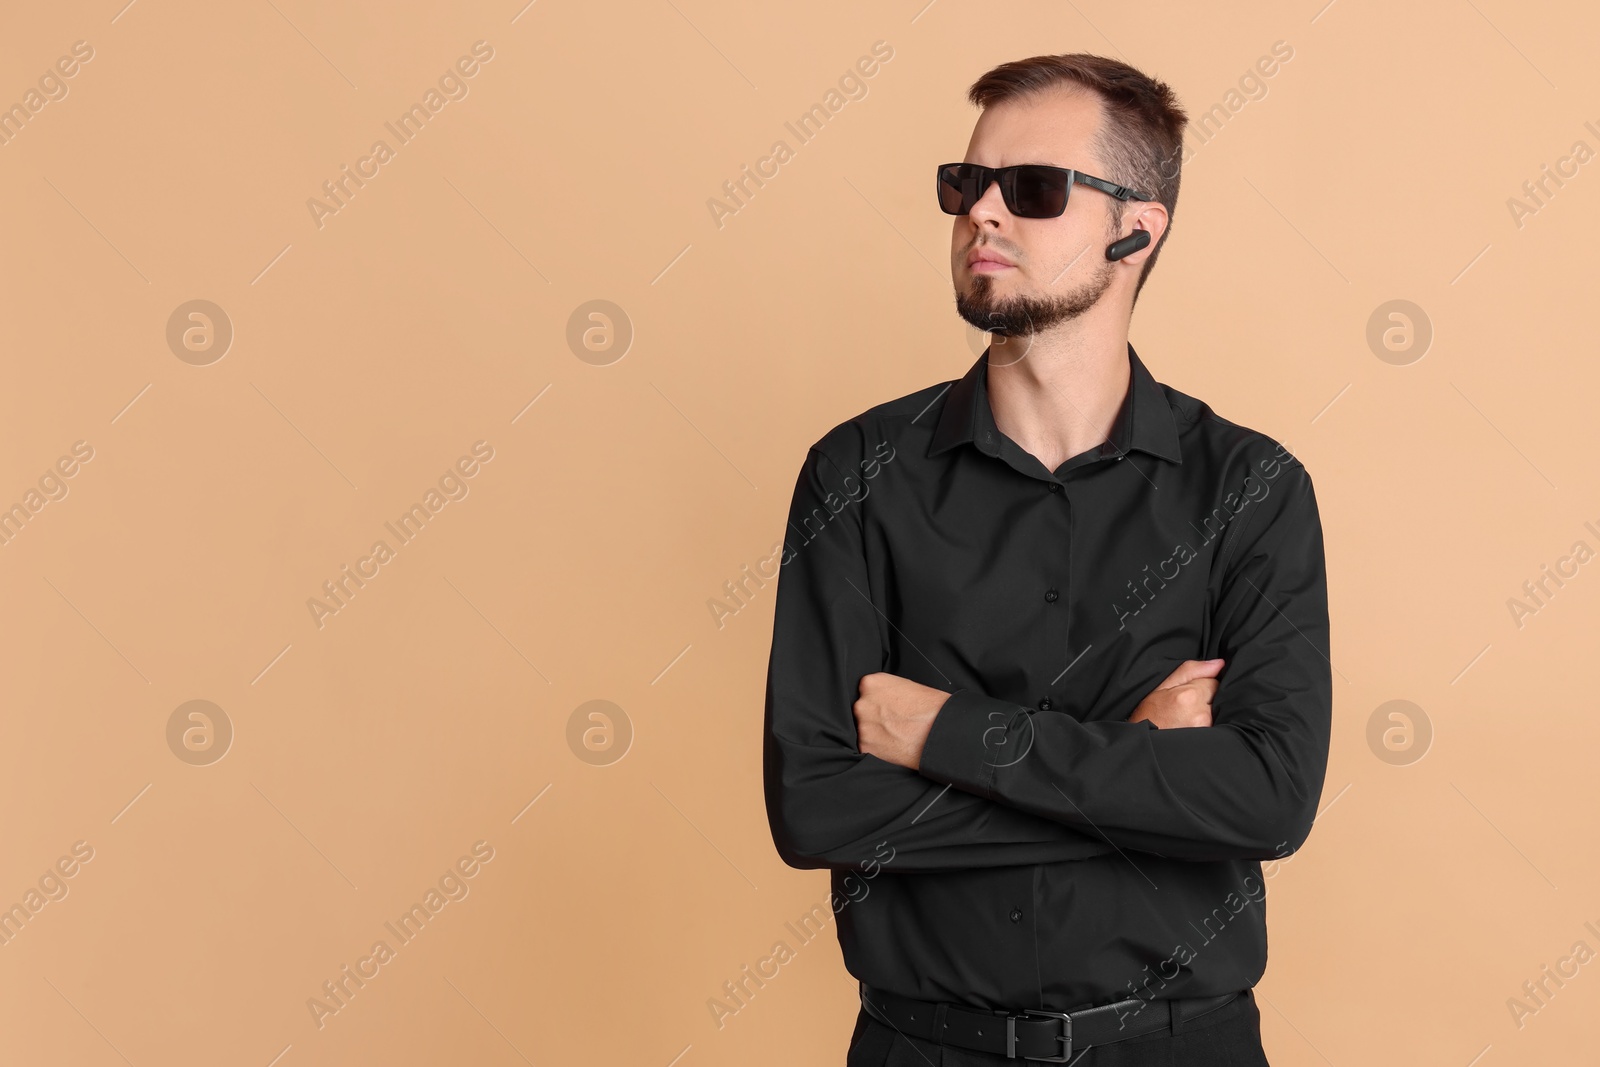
{"type": "Point", "coordinates": [1141, 140]}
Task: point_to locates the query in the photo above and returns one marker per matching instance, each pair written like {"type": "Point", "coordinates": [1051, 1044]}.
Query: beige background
{"type": "Point", "coordinates": [432, 309]}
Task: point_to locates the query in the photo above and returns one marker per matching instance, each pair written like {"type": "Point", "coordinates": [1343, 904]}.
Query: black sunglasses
{"type": "Point", "coordinates": [1030, 190]}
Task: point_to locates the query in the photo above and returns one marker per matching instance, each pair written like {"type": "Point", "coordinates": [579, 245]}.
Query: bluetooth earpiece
{"type": "Point", "coordinates": [1128, 245]}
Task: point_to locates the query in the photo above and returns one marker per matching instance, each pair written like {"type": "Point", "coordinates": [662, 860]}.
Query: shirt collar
{"type": "Point", "coordinates": [1145, 422]}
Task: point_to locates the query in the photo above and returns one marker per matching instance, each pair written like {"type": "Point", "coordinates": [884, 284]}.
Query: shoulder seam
{"type": "Point", "coordinates": [880, 412]}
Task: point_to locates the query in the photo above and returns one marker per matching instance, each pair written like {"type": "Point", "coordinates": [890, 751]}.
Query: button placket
{"type": "Point", "coordinates": [1066, 585]}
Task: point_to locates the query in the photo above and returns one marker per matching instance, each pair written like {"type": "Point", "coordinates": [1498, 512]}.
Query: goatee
{"type": "Point", "coordinates": [1017, 316]}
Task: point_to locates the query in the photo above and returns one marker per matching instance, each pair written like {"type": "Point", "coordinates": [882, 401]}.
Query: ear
{"type": "Point", "coordinates": [1149, 215]}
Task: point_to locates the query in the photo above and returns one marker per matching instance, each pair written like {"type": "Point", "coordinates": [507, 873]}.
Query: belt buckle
{"type": "Point", "coordinates": [1065, 1037]}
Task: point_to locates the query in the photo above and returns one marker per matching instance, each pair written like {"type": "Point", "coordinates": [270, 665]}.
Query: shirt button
{"type": "Point", "coordinates": [1055, 487]}
{"type": "Point", "coordinates": [1044, 704]}
{"type": "Point", "coordinates": [1016, 915]}
{"type": "Point", "coordinates": [1051, 595]}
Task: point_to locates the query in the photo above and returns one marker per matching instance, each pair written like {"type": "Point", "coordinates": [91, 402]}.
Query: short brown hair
{"type": "Point", "coordinates": [1141, 141]}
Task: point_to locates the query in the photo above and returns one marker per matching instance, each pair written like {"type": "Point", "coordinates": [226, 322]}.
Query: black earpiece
{"type": "Point", "coordinates": [1128, 245]}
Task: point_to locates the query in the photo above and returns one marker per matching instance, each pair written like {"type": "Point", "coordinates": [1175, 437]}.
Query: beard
{"type": "Point", "coordinates": [1018, 316]}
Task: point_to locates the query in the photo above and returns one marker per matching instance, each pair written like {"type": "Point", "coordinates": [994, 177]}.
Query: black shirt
{"type": "Point", "coordinates": [1049, 853]}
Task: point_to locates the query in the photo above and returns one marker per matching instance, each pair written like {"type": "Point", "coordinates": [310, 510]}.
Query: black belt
{"type": "Point", "coordinates": [1033, 1034]}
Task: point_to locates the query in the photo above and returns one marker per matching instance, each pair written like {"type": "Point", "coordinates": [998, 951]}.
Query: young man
{"type": "Point", "coordinates": [1049, 673]}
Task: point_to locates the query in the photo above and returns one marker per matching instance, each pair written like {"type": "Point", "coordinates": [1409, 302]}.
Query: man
{"type": "Point", "coordinates": [1050, 674]}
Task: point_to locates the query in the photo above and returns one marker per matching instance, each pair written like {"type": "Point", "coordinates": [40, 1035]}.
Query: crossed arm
{"type": "Point", "coordinates": [855, 757]}
{"type": "Point", "coordinates": [893, 714]}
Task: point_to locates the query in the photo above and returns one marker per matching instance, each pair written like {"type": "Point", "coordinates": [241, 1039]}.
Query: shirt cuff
{"type": "Point", "coordinates": [970, 738]}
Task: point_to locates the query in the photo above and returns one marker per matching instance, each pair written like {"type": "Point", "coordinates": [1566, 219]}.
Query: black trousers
{"type": "Point", "coordinates": [1230, 1036]}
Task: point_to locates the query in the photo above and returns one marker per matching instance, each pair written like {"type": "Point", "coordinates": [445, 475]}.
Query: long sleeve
{"type": "Point", "coordinates": [1247, 786]}
{"type": "Point", "coordinates": [828, 805]}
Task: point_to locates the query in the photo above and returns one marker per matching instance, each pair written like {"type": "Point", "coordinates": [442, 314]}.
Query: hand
{"type": "Point", "coordinates": [893, 717]}
{"type": "Point", "coordinates": [1184, 698]}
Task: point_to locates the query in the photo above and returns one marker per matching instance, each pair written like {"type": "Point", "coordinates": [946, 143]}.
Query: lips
{"type": "Point", "coordinates": [983, 259]}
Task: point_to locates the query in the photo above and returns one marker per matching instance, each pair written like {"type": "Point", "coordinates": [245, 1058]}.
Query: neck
{"type": "Point", "coordinates": [1057, 393]}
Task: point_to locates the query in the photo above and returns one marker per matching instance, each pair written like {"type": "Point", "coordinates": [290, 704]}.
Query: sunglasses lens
{"type": "Point", "coordinates": [958, 188]}
{"type": "Point", "coordinates": [1039, 193]}
{"type": "Point", "coordinates": [1030, 192]}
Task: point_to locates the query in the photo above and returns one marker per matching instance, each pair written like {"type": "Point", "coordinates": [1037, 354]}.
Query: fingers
{"type": "Point", "coordinates": [1192, 670]}
{"type": "Point", "coordinates": [1204, 690]}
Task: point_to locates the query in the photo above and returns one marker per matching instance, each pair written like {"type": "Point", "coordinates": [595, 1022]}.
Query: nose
{"type": "Point", "coordinates": [990, 207]}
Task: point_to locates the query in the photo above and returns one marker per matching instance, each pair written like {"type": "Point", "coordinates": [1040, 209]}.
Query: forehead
{"type": "Point", "coordinates": [1055, 126]}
